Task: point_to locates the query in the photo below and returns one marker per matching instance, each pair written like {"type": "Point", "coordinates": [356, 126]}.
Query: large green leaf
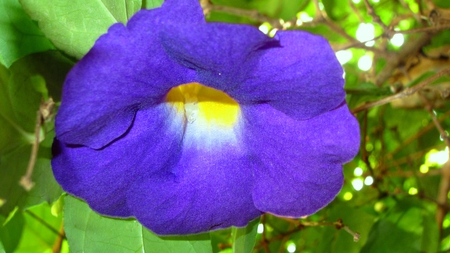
{"type": "Point", "coordinates": [74, 26]}
{"type": "Point", "coordinates": [244, 238]}
{"type": "Point", "coordinates": [11, 231]}
{"type": "Point", "coordinates": [385, 236]}
{"type": "Point", "coordinates": [89, 232]}
{"type": "Point", "coordinates": [41, 230]}
{"type": "Point", "coordinates": [19, 36]}
{"type": "Point", "coordinates": [150, 4]}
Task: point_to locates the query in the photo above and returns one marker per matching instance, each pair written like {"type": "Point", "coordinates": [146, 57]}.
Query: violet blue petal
{"type": "Point", "coordinates": [117, 77]}
{"type": "Point", "coordinates": [300, 161]}
{"type": "Point", "coordinates": [301, 78]}
{"type": "Point", "coordinates": [103, 177]}
{"type": "Point", "coordinates": [217, 51]}
{"type": "Point", "coordinates": [209, 186]}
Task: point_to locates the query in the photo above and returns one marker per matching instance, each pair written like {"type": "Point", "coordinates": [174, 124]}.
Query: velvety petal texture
{"type": "Point", "coordinates": [190, 126]}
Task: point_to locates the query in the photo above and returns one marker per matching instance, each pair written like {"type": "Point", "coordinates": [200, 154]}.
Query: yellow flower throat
{"type": "Point", "coordinates": [199, 102]}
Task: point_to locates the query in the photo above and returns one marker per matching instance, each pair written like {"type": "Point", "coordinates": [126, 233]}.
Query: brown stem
{"type": "Point", "coordinates": [406, 92]}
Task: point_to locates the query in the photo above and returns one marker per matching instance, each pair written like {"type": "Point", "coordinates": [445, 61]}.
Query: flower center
{"type": "Point", "coordinates": [199, 102]}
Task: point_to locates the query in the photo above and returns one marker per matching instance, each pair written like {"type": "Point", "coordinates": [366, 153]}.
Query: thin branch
{"type": "Point", "coordinates": [436, 122]}
{"type": "Point", "coordinates": [264, 241]}
{"type": "Point", "coordinates": [377, 18]}
{"type": "Point", "coordinates": [208, 7]}
{"type": "Point", "coordinates": [418, 134]}
{"type": "Point", "coordinates": [416, 16]}
{"type": "Point", "coordinates": [411, 47]}
{"type": "Point", "coordinates": [406, 92]}
{"type": "Point", "coordinates": [339, 224]}
{"type": "Point", "coordinates": [58, 242]}
{"type": "Point", "coordinates": [444, 185]}
{"type": "Point", "coordinates": [26, 181]}
{"type": "Point", "coordinates": [42, 115]}
{"type": "Point", "coordinates": [45, 224]}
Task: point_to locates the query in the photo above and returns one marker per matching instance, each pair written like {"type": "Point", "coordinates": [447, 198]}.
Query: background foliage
{"type": "Point", "coordinates": [395, 199]}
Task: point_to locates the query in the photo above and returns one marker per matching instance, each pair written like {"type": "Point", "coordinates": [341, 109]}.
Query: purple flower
{"type": "Point", "coordinates": [191, 126]}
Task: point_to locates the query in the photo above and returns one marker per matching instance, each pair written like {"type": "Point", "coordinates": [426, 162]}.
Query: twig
{"type": "Point", "coordinates": [45, 224]}
{"type": "Point", "coordinates": [406, 92]}
{"type": "Point", "coordinates": [411, 47]}
{"type": "Point", "coordinates": [25, 181]}
{"type": "Point", "coordinates": [444, 185]}
{"type": "Point", "coordinates": [251, 14]}
{"type": "Point", "coordinates": [432, 29]}
{"type": "Point", "coordinates": [418, 134]}
{"type": "Point", "coordinates": [377, 18]}
{"type": "Point", "coordinates": [264, 241]}
{"type": "Point", "coordinates": [58, 243]}
{"type": "Point", "coordinates": [43, 114]}
{"type": "Point", "coordinates": [339, 224]}
{"type": "Point", "coordinates": [436, 122]}
{"type": "Point", "coordinates": [416, 16]}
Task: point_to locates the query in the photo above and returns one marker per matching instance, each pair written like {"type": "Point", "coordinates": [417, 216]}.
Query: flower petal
{"type": "Point", "coordinates": [100, 99]}
{"type": "Point", "coordinates": [103, 177]}
{"type": "Point", "coordinates": [216, 51]}
{"type": "Point", "coordinates": [210, 187]}
{"type": "Point", "coordinates": [300, 162]}
{"type": "Point", "coordinates": [301, 78]}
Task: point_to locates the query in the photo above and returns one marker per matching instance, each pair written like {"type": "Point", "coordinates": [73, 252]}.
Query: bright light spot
{"type": "Point", "coordinates": [365, 62]}
{"type": "Point", "coordinates": [265, 27]}
{"type": "Point", "coordinates": [413, 191]}
{"type": "Point", "coordinates": [369, 147]}
{"type": "Point", "coordinates": [291, 247]}
{"type": "Point", "coordinates": [358, 171]}
{"type": "Point", "coordinates": [368, 180]}
{"type": "Point", "coordinates": [273, 32]}
{"type": "Point", "coordinates": [357, 184]}
{"type": "Point", "coordinates": [348, 196]}
{"type": "Point", "coordinates": [379, 206]}
{"type": "Point", "coordinates": [437, 157]}
{"type": "Point", "coordinates": [398, 39]}
{"type": "Point", "coordinates": [356, 1]}
{"type": "Point", "coordinates": [2, 202]}
{"type": "Point", "coordinates": [304, 17]}
{"type": "Point", "coordinates": [344, 56]}
{"type": "Point", "coordinates": [424, 168]}
{"type": "Point", "coordinates": [446, 223]}
{"type": "Point", "coordinates": [370, 43]}
{"type": "Point", "coordinates": [365, 32]}
{"type": "Point", "coordinates": [260, 228]}
{"type": "Point", "coordinates": [321, 6]}
{"type": "Point", "coordinates": [375, 1]}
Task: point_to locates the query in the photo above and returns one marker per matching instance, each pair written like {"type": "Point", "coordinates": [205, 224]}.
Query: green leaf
{"type": "Point", "coordinates": [87, 231]}
{"type": "Point", "coordinates": [430, 236]}
{"type": "Point", "coordinates": [12, 167]}
{"type": "Point", "coordinates": [150, 4]}
{"type": "Point", "coordinates": [41, 230]}
{"type": "Point", "coordinates": [385, 236]}
{"type": "Point", "coordinates": [11, 231]}
{"type": "Point", "coordinates": [74, 26]}
{"type": "Point", "coordinates": [46, 188]}
{"type": "Point", "coordinates": [244, 238]}
{"type": "Point", "coordinates": [19, 36]}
